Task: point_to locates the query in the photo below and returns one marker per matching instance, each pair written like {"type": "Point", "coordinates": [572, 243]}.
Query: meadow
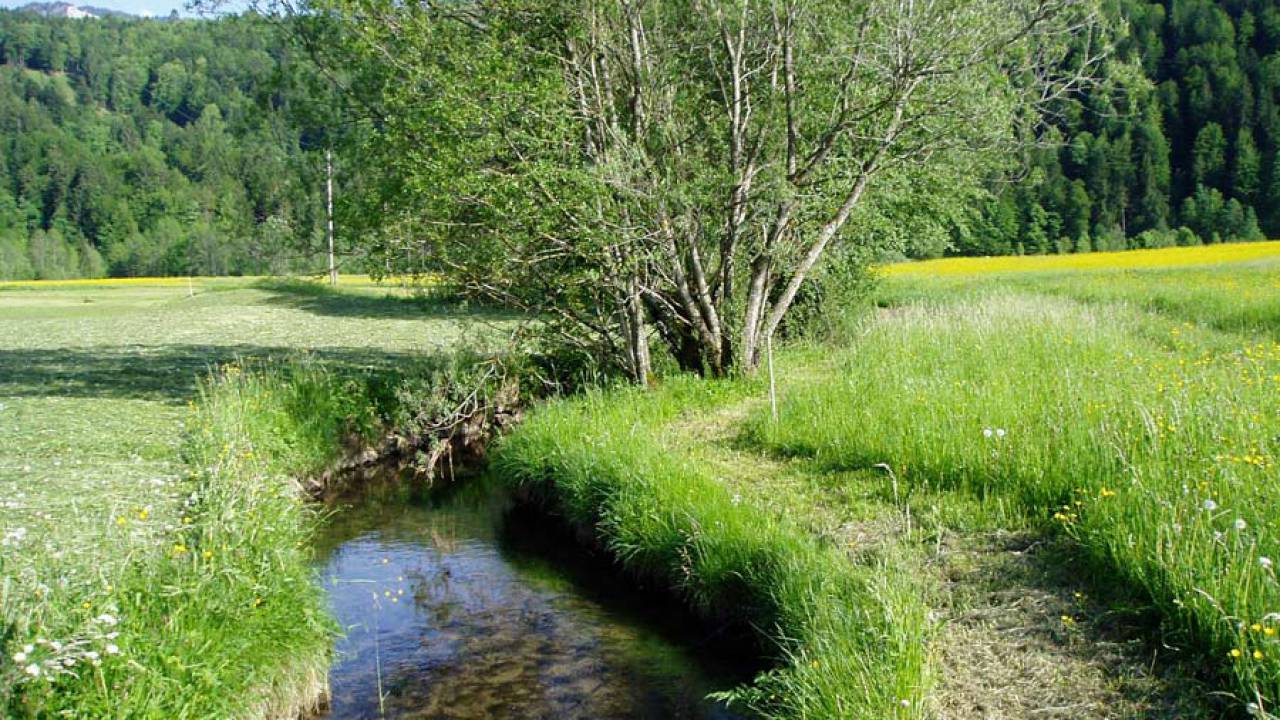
{"type": "Point", "coordinates": [152, 563]}
{"type": "Point", "coordinates": [1034, 492]}
{"type": "Point", "coordinates": [1012, 492]}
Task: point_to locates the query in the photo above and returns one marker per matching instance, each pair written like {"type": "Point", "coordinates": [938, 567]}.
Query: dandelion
{"type": "Point", "coordinates": [1000, 432]}
{"type": "Point", "coordinates": [1255, 627]}
{"type": "Point", "coordinates": [1269, 632]}
{"type": "Point", "coordinates": [179, 549]}
{"type": "Point", "coordinates": [1265, 562]}
{"type": "Point", "coordinates": [1241, 524]}
{"type": "Point", "coordinates": [1106, 493]}
{"type": "Point", "coordinates": [1210, 505]}
{"type": "Point", "coordinates": [986, 432]}
{"type": "Point", "coordinates": [904, 703]}
{"type": "Point", "coordinates": [1257, 655]}
{"type": "Point", "coordinates": [1235, 652]}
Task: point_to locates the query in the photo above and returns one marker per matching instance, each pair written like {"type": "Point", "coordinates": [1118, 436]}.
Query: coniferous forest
{"type": "Point", "coordinates": [1183, 133]}
{"type": "Point", "coordinates": [147, 147]}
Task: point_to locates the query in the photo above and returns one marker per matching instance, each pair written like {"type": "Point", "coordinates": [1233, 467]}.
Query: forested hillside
{"type": "Point", "coordinates": [139, 147]}
{"type": "Point", "coordinates": [1186, 134]}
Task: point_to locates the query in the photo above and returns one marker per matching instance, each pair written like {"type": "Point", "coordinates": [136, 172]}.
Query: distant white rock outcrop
{"type": "Point", "coordinates": [69, 10]}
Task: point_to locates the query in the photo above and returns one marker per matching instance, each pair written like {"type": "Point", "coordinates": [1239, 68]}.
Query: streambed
{"type": "Point", "coordinates": [459, 604]}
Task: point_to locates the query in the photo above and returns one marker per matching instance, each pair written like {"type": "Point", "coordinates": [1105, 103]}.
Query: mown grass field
{"type": "Point", "coordinates": [1053, 489]}
{"type": "Point", "coordinates": [126, 588]}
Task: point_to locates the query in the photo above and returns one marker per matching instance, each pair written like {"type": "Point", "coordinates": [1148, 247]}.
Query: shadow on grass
{"type": "Point", "coordinates": [167, 373]}
{"type": "Point", "coordinates": [327, 301]}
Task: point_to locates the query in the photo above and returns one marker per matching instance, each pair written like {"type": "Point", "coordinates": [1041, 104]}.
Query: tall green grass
{"type": "Point", "coordinates": [1153, 442]}
{"type": "Point", "coordinates": [212, 612]}
{"type": "Point", "coordinates": [849, 640]}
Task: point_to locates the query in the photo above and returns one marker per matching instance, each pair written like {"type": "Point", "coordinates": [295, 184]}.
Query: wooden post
{"type": "Point", "coordinates": [328, 166]}
{"type": "Point", "coordinates": [773, 386]}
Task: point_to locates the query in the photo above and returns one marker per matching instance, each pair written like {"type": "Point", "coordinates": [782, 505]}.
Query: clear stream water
{"type": "Point", "coordinates": [457, 604]}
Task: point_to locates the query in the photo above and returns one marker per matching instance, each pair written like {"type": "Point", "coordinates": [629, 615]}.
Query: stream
{"type": "Point", "coordinates": [457, 603]}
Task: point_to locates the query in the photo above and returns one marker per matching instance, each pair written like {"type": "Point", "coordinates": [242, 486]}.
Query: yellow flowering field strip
{"type": "Point", "coordinates": [1128, 259]}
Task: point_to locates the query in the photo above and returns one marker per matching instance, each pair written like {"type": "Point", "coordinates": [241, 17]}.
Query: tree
{"type": "Point", "coordinates": [678, 169]}
{"type": "Point", "coordinates": [1208, 156]}
{"type": "Point", "coordinates": [1247, 171]}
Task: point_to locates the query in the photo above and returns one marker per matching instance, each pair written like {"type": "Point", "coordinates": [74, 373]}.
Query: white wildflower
{"type": "Point", "coordinates": [986, 432]}
{"type": "Point", "coordinates": [20, 657]}
{"type": "Point", "coordinates": [33, 670]}
{"type": "Point", "coordinates": [1241, 524]}
{"type": "Point", "coordinates": [56, 646]}
{"type": "Point", "coordinates": [1000, 432]}
{"type": "Point", "coordinates": [106, 619]}
{"type": "Point", "coordinates": [28, 648]}
{"type": "Point", "coordinates": [112, 649]}
{"type": "Point", "coordinates": [1210, 505]}
{"type": "Point", "coordinates": [1265, 562]}
{"type": "Point", "coordinates": [92, 656]}
{"type": "Point", "coordinates": [736, 499]}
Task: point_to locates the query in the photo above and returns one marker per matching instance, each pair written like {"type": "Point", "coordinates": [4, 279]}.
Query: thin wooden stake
{"type": "Point", "coordinates": [328, 187]}
{"type": "Point", "coordinates": [773, 385]}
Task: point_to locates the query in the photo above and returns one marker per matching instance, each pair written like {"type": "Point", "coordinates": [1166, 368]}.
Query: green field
{"type": "Point", "coordinates": [102, 446]}
{"type": "Point", "coordinates": [1041, 493]}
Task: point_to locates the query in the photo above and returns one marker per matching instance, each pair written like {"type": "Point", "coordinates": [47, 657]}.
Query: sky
{"type": "Point", "coordinates": [135, 7]}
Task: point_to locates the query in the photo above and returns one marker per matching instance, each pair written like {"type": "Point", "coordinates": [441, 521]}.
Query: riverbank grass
{"type": "Point", "coordinates": [153, 553]}
{"type": "Point", "coordinates": [847, 638]}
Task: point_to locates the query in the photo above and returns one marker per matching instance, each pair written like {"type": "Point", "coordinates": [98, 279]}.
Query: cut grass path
{"type": "Point", "coordinates": [1018, 632]}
